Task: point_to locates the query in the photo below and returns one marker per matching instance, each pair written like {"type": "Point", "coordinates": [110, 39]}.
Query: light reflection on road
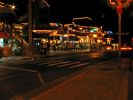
{"type": "Point", "coordinates": [95, 55]}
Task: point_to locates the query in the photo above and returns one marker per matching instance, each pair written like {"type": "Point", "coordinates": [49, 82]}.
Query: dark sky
{"type": "Point", "coordinates": [64, 10]}
{"type": "Point", "coordinates": [77, 8]}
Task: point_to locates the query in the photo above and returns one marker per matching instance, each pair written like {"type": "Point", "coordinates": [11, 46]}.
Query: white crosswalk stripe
{"type": "Point", "coordinates": [69, 64]}
{"type": "Point", "coordinates": [63, 64]}
{"type": "Point", "coordinates": [60, 63]}
{"type": "Point", "coordinates": [79, 65]}
{"type": "Point", "coordinates": [50, 62]}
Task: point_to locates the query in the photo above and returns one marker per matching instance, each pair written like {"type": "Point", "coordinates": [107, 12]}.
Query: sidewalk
{"type": "Point", "coordinates": [103, 81]}
{"type": "Point", "coordinates": [51, 53]}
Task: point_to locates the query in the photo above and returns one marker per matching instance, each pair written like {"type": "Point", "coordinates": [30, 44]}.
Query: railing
{"type": "Point", "coordinates": [21, 40]}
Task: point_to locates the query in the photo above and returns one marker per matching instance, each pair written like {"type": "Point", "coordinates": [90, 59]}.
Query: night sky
{"type": "Point", "coordinates": [64, 10]}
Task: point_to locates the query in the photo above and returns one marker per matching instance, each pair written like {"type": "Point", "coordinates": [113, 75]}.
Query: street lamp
{"type": "Point", "coordinates": [119, 5]}
{"type": "Point", "coordinates": [13, 7]}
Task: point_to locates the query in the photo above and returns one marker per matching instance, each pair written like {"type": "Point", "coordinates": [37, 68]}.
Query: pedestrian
{"type": "Point", "coordinates": [41, 48]}
{"type": "Point", "coordinates": [48, 48]}
{"type": "Point", "coordinates": [54, 47]}
{"type": "Point", "coordinates": [44, 48]}
{"type": "Point", "coordinates": [1, 51]}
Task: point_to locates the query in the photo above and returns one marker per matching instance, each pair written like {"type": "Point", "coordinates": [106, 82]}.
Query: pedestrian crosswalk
{"type": "Point", "coordinates": [69, 64]}
{"type": "Point", "coordinates": [79, 65]}
{"type": "Point", "coordinates": [64, 64]}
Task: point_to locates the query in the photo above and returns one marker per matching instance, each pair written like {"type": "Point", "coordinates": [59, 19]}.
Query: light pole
{"type": "Point", "coordinates": [30, 25]}
{"type": "Point", "coordinates": [119, 5]}
{"type": "Point", "coordinates": [30, 19]}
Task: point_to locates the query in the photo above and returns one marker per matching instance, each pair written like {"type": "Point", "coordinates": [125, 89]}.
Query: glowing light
{"type": "Point", "coordinates": [82, 18]}
{"type": "Point", "coordinates": [126, 48]}
{"type": "Point", "coordinates": [94, 35]}
{"type": "Point", "coordinates": [1, 3]}
{"type": "Point", "coordinates": [13, 6]}
{"type": "Point", "coordinates": [121, 3]}
{"type": "Point", "coordinates": [80, 28]}
{"type": "Point", "coordinates": [65, 35]}
{"type": "Point", "coordinates": [1, 42]}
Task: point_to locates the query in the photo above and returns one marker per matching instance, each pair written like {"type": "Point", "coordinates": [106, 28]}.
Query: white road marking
{"type": "Point", "coordinates": [79, 65]}
{"type": "Point", "coordinates": [73, 63]}
{"type": "Point", "coordinates": [49, 62]}
{"type": "Point", "coordinates": [59, 63]}
{"type": "Point", "coordinates": [27, 70]}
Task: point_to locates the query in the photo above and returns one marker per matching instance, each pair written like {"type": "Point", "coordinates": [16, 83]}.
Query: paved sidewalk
{"type": "Point", "coordinates": [51, 53]}
{"type": "Point", "coordinates": [13, 58]}
{"type": "Point", "coordinates": [103, 81]}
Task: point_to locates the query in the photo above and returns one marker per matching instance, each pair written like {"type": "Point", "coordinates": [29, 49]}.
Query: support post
{"type": "Point", "coordinates": [30, 26]}
{"type": "Point", "coordinates": [119, 37]}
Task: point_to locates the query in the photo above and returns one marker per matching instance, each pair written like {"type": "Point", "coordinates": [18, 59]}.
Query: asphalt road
{"type": "Point", "coordinates": [16, 78]}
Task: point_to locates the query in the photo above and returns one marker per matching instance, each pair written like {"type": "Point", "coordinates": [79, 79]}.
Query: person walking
{"type": "Point", "coordinates": [47, 49]}
{"type": "Point", "coordinates": [44, 49]}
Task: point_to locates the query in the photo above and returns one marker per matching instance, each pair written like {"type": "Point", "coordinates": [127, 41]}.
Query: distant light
{"type": "Point", "coordinates": [38, 43]}
{"type": "Point", "coordinates": [1, 3]}
{"type": "Point", "coordinates": [65, 35]}
{"type": "Point", "coordinates": [46, 3]}
{"type": "Point", "coordinates": [109, 32]}
{"type": "Point", "coordinates": [13, 6]}
{"type": "Point", "coordinates": [126, 48]}
{"type": "Point", "coordinates": [95, 29]}
{"type": "Point", "coordinates": [74, 30]}
{"type": "Point", "coordinates": [69, 28]}
{"type": "Point", "coordinates": [81, 28]}
{"type": "Point", "coordinates": [91, 31]}
{"type": "Point", "coordinates": [1, 6]}
{"type": "Point", "coordinates": [94, 35]}
{"type": "Point", "coordinates": [82, 18]}
{"type": "Point", "coordinates": [1, 42]}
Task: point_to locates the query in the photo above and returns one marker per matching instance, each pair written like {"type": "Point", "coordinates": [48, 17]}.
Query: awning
{"type": "Point", "coordinates": [5, 35]}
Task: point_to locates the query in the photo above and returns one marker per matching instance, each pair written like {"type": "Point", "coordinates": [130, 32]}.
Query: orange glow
{"type": "Point", "coordinates": [13, 6]}
{"type": "Point", "coordinates": [126, 48]}
{"type": "Point", "coordinates": [108, 48]}
{"type": "Point", "coordinates": [94, 35]}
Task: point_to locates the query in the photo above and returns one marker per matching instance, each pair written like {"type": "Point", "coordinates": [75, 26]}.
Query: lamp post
{"type": "Point", "coordinates": [119, 5]}
{"type": "Point", "coordinates": [30, 25]}
{"type": "Point", "coordinates": [30, 18]}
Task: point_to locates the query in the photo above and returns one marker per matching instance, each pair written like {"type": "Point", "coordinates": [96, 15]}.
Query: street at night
{"type": "Point", "coordinates": [23, 77]}
{"type": "Point", "coordinates": [66, 50]}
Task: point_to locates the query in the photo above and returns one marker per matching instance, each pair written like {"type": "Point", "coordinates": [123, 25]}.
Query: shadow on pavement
{"type": "Point", "coordinates": [130, 86]}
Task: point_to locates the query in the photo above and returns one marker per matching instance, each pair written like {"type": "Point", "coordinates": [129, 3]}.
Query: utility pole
{"type": "Point", "coordinates": [30, 26]}
{"type": "Point", "coordinates": [119, 5]}
{"type": "Point", "coordinates": [119, 12]}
